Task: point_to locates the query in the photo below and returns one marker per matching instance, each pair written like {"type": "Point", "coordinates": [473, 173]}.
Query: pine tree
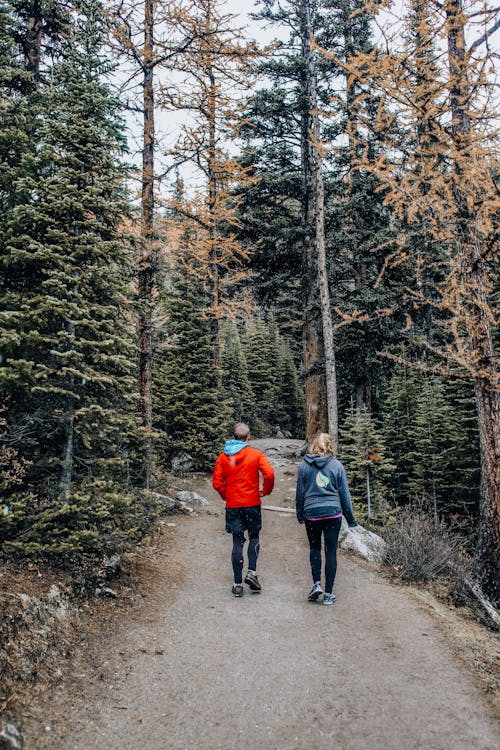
{"type": "Point", "coordinates": [66, 337]}
{"type": "Point", "coordinates": [234, 374]}
{"type": "Point", "coordinates": [431, 447]}
{"type": "Point", "coordinates": [260, 347]}
{"type": "Point", "coordinates": [430, 429]}
{"type": "Point", "coordinates": [289, 395]}
{"type": "Point", "coordinates": [192, 412]}
{"type": "Point", "coordinates": [366, 458]}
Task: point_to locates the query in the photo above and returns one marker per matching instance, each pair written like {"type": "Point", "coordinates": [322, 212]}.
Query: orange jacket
{"type": "Point", "coordinates": [236, 478]}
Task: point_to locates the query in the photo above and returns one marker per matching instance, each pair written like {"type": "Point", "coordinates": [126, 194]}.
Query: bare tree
{"type": "Point", "coordinates": [217, 76]}
{"type": "Point", "coordinates": [149, 36]}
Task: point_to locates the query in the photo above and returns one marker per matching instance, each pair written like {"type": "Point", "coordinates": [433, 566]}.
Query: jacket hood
{"type": "Point", "coordinates": [232, 447]}
{"type": "Point", "coordinates": [316, 460]}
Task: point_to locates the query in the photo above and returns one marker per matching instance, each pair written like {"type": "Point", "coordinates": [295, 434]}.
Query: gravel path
{"type": "Point", "coordinates": [196, 668]}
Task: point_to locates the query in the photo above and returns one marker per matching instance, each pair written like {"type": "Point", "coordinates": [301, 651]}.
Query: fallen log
{"type": "Point", "coordinates": [486, 604]}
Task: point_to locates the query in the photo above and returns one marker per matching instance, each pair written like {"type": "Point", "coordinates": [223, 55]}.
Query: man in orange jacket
{"type": "Point", "coordinates": [236, 478]}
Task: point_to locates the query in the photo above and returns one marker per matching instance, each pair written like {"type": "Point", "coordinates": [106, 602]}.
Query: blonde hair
{"type": "Point", "coordinates": [322, 444]}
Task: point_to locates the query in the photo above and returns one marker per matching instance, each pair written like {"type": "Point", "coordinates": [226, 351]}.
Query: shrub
{"type": "Point", "coordinates": [92, 522]}
{"type": "Point", "coordinates": [420, 548]}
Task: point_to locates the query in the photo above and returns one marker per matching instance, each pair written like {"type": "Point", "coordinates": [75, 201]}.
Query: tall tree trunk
{"type": "Point", "coordinates": [69, 426]}
{"type": "Point", "coordinates": [312, 340]}
{"type": "Point", "coordinates": [318, 347]}
{"type": "Point", "coordinates": [146, 264]}
{"type": "Point", "coordinates": [34, 42]}
{"type": "Point", "coordinates": [473, 280]}
{"type": "Point", "coordinates": [212, 208]}
{"type": "Point", "coordinates": [324, 295]}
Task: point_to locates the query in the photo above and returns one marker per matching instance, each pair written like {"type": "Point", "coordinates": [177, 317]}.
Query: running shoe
{"type": "Point", "coordinates": [238, 589]}
{"type": "Point", "coordinates": [328, 598]}
{"type": "Point", "coordinates": [315, 592]}
{"type": "Point", "coordinates": [252, 580]}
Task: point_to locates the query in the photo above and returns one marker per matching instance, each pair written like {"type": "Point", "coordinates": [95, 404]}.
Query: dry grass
{"type": "Point", "coordinates": [466, 632]}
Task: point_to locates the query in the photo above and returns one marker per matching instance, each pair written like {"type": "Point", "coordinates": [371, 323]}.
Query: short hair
{"type": "Point", "coordinates": [241, 431]}
{"type": "Point", "coordinates": [322, 444]}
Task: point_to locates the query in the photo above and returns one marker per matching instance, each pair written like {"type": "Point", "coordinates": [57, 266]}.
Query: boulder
{"type": "Point", "coordinates": [167, 503]}
{"type": "Point", "coordinates": [10, 736]}
{"type": "Point", "coordinates": [364, 543]}
{"type": "Point", "coordinates": [193, 498]}
{"type": "Point", "coordinates": [182, 463]}
{"type": "Point", "coordinates": [185, 508]}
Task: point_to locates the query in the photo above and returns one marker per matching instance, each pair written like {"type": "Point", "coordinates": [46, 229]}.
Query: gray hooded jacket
{"type": "Point", "coordinates": [322, 489]}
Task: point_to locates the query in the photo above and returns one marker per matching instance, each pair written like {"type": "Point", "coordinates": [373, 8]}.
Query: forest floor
{"type": "Point", "coordinates": [176, 662]}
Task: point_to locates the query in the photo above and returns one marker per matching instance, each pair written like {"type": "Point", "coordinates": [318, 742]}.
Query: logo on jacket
{"type": "Point", "coordinates": [321, 480]}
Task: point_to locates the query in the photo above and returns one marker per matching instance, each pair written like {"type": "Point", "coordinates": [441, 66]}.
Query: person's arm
{"type": "Point", "coordinates": [267, 472]}
{"type": "Point", "coordinates": [299, 496]}
{"type": "Point", "coordinates": [219, 480]}
{"type": "Point", "coordinates": [345, 498]}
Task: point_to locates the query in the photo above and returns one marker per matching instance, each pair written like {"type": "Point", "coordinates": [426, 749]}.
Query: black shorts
{"type": "Point", "coordinates": [239, 520]}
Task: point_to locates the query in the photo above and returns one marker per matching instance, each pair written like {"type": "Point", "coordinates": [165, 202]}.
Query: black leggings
{"type": "Point", "coordinates": [237, 553]}
{"type": "Point", "coordinates": [330, 529]}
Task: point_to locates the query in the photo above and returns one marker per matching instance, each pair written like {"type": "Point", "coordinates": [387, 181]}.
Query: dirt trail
{"type": "Point", "coordinates": [195, 668]}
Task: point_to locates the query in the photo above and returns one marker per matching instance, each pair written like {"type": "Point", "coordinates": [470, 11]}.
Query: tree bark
{"type": "Point", "coordinates": [69, 425]}
{"type": "Point", "coordinates": [212, 202]}
{"type": "Point", "coordinates": [146, 263]}
{"type": "Point", "coordinates": [473, 280]}
{"type": "Point", "coordinates": [318, 346]}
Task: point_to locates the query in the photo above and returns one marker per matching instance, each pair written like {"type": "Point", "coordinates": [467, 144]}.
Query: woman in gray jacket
{"type": "Point", "coordinates": [321, 499]}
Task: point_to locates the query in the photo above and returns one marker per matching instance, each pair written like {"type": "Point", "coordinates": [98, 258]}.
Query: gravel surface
{"type": "Point", "coordinates": [193, 667]}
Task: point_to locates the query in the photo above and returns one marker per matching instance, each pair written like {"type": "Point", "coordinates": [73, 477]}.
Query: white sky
{"type": "Point", "coordinates": [168, 123]}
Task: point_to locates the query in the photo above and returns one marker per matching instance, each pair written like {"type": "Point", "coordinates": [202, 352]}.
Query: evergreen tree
{"type": "Point", "coordinates": [67, 368]}
{"type": "Point", "coordinates": [234, 374]}
{"type": "Point", "coordinates": [429, 424]}
{"type": "Point", "coordinates": [289, 395]}
{"type": "Point", "coordinates": [261, 353]}
{"type": "Point", "coordinates": [191, 409]}
{"type": "Point", "coordinates": [278, 402]}
{"type": "Point", "coordinates": [431, 447]}
{"type": "Point", "coordinates": [367, 461]}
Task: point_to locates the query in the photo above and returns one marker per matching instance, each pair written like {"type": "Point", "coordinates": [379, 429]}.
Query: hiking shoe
{"type": "Point", "coordinates": [315, 592]}
{"type": "Point", "coordinates": [252, 580]}
{"type": "Point", "coordinates": [328, 598]}
{"type": "Point", "coordinates": [238, 589]}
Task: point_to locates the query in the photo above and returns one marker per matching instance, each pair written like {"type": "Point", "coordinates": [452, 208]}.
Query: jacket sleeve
{"type": "Point", "coordinates": [218, 479]}
{"type": "Point", "coordinates": [267, 472]}
{"type": "Point", "coordinates": [345, 498]}
{"type": "Point", "coordinates": [299, 496]}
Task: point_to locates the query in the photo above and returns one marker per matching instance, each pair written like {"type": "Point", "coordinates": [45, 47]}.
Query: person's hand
{"type": "Point", "coordinates": [352, 525]}
{"type": "Point", "coordinates": [300, 520]}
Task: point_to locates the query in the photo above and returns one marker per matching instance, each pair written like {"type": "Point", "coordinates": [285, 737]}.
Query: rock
{"type": "Point", "coordinates": [106, 592]}
{"type": "Point", "coordinates": [10, 736]}
{"type": "Point", "coordinates": [111, 565]}
{"type": "Point", "coordinates": [365, 543]}
{"type": "Point", "coordinates": [184, 508]}
{"type": "Point", "coordinates": [193, 498]}
{"type": "Point", "coordinates": [182, 463]}
{"type": "Point", "coordinates": [167, 503]}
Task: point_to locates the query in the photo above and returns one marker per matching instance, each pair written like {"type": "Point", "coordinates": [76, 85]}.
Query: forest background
{"type": "Point", "coordinates": [316, 249]}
